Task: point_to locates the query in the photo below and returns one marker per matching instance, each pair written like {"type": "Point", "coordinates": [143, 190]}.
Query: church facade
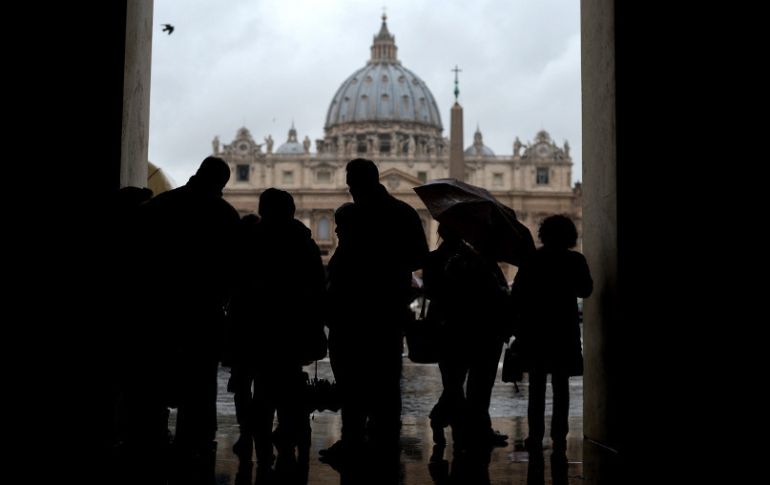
{"type": "Point", "coordinates": [386, 113]}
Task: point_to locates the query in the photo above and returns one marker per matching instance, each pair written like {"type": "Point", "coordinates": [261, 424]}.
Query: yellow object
{"type": "Point", "coordinates": [157, 181]}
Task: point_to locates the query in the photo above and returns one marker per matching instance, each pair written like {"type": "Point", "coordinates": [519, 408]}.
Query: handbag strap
{"type": "Point", "coordinates": [422, 308]}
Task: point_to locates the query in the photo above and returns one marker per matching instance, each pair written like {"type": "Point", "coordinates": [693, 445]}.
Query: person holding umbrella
{"type": "Point", "coordinates": [469, 292]}
{"type": "Point", "coordinates": [466, 286]}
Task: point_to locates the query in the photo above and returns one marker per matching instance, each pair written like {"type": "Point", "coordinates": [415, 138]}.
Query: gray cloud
{"type": "Point", "coordinates": [262, 64]}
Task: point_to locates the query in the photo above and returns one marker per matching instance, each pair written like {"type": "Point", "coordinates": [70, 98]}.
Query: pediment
{"type": "Point", "coordinates": [395, 179]}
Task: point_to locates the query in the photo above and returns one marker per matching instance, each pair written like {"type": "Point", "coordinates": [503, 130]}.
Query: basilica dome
{"type": "Point", "coordinates": [383, 91]}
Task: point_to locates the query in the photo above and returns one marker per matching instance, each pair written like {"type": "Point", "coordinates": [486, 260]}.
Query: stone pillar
{"type": "Point", "coordinates": [456, 158]}
{"type": "Point", "coordinates": [638, 311]}
{"type": "Point", "coordinates": [136, 94]}
{"type": "Point", "coordinates": [600, 215]}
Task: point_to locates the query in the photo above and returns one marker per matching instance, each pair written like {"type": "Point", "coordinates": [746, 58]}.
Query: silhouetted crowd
{"type": "Point", "coordinates": [252, 294]}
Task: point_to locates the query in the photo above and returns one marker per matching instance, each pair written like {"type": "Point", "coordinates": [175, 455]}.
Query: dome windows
{"type": "Point", "coordinates": [384, 79]}
{"type": "Point", "coordinates": [368, 79]}
{"type": "Point", "coordinates": [385, 105]}
{"type": "Point", "coordinates": [402, 79]}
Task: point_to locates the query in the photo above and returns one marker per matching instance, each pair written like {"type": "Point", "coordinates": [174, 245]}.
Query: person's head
{"type": "Point", "coordinates": [276, 205]}
{"type": "Point", "coordinates": [362, 177]}
{"type": "Point", "coordinates": [250, 219]}
{"type": "Point", "coordinates": [212, 174]}
{"type": "Point", "coordinates": [558, 232]}
{"type": "Point", "coordinates": [342, 218]}
{"type": "Point", "coordinates": [447, 234]}
{"type": "Point", "coordinates": [132, 196]}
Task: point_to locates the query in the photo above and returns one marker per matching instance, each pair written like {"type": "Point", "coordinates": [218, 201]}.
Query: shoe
{"type": "Point", "coordinates": [533, 446]}
{"type": "Point", "coordinates": [243, 447]}
{"type": "Point", "coordinates": [334, 456]}
{"type": "Point", "coordinates": [438, 433]}
{"type": "Point", "coordinates": [332, 453]}
{"type": "Point", "coordinates": [559, 446]}
{"type": "Point", "coordinates": [496, 438]}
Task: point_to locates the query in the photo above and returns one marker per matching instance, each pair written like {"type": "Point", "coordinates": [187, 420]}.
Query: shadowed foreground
{"type": "Point", "coordinates": [421, 387]}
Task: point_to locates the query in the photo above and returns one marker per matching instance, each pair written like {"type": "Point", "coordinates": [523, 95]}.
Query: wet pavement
{"type": "Point", "coordinates": [421, 387]}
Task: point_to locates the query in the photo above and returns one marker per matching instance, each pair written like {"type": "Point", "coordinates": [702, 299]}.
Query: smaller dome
{"type": "Point", "coordinates": [292, 146]}
{"type": "Point", "coordinates": [479, 149]}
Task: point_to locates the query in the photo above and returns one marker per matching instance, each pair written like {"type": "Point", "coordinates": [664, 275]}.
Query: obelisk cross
{"type": "Point", "coordinates": [457, 70]}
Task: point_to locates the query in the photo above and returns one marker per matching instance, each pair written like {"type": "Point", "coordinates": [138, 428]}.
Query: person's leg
{"type": "Point", "coordinates": [197, 412]}
{"type": "Point", "coordinates": [293, 419]}
{"type": "Point", "coordinates": [451, 399]}
{"type": "Point", "coordinates": [263, 411]}
{"type": "Point", "coordinates": [481, 379]}
{"type": "Point", "coordinates": [560, 418]}
{"type": "Point", "coordinates": [348, 374]}
{"type": "Point", "coordinates": [240, 385]}
{"type": "Point", "coordinates": [536, 409]}
{"type": "Point", "coordinates": [384, 396]}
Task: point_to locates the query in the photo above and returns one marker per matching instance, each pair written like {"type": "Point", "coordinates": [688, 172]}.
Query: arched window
{"type": "Point", "coordinates": [323, 229]}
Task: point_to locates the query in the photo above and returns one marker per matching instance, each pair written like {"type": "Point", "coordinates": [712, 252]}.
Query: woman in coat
{"type": "Point", "coordinates": [545, 291]}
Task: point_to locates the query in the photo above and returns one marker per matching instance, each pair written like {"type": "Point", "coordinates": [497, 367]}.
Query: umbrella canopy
{"type": "Point", "coordinates": [478, 217]}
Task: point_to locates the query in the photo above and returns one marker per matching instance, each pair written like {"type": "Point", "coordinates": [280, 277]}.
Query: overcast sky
{"type": "Point", "coordinates": [263, 63]}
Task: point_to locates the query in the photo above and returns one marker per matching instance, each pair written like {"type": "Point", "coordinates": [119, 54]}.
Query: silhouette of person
{"type": "Point", "coordinates": [113, 290]}
{"type": "Point", "coordinates": [191, 230]}
{"type": "Point", "coordinates": [381, 242]}
{"type": "Point", "coordinates": [470, 294]}
{"type": "Point", "coordinates": [274, 310]}
{"type": "Point", "coordinates": [241, 378]}
{"type": "Point", "coordinates": [545, 292]}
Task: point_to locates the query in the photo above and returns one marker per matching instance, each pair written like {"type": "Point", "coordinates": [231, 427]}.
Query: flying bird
{"type": "Point", "coordinates": [168, 28]}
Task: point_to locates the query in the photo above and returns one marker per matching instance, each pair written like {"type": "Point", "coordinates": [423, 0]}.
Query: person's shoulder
{"type": "Point", "coordinates": [576, 256]}
{"type": "Point", "coordinates": [402, 207]}
{"type": "Point", "coordinates": [163, 202]}
{"type": "Point", "coordinates": [346, 208]}
{"type": "Point", "coordinates": [300, 230]}
{"type": "Point", "coordinates": [163, 197]}
{"type": "Point", "coordinates": [228, 209]}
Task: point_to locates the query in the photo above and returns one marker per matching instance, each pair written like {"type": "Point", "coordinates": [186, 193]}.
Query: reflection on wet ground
{"type": "Point", "coordinates": [421, 387]}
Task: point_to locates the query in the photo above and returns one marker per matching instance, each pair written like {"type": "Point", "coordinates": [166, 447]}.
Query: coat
{"type": "Point", "coordinates": [545, 294]}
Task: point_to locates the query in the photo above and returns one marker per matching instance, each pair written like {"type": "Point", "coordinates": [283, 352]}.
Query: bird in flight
{"type": "Point", "coordinates": [168, 28]}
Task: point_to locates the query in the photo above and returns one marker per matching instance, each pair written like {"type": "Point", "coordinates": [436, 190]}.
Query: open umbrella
{"type": "Point", "coordinates": [478, 217]}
